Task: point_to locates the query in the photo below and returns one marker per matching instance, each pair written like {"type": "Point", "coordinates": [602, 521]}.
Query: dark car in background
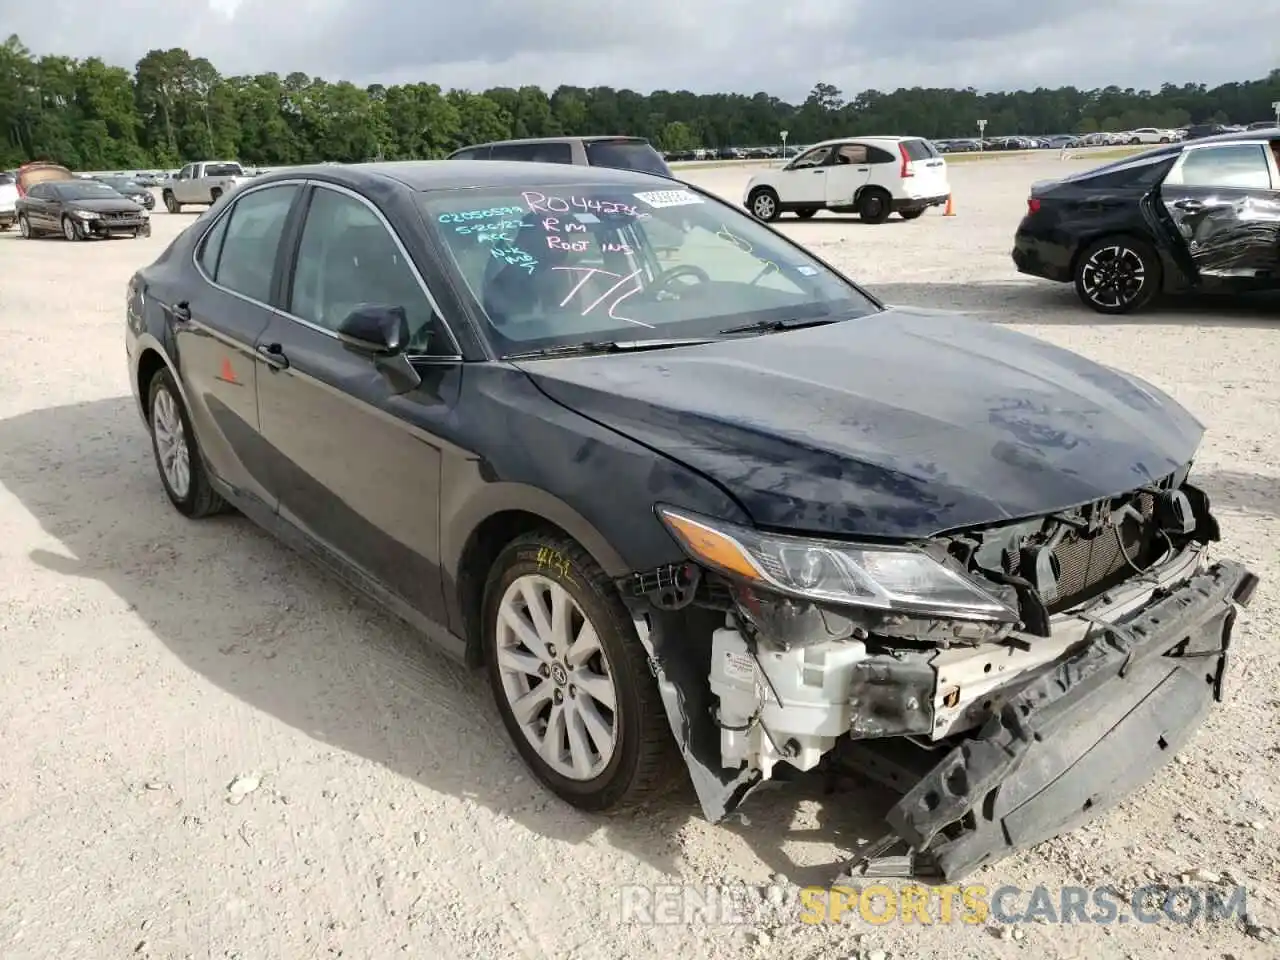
{"type": "Point", "coordinates": [1202, 215]}
{"type": "Point", "coordinates": [619, 153]}
{"type": "Point", "coordinates": [79, 209]}
{"type": "Point", "coordinates": [131, 188]}
{"type": "Point", "coordinates": [720, 504]}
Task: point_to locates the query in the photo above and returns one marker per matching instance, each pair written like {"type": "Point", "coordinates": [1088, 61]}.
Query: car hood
{"type": "Point", "coordinates": [105, 205]}
{"type": "Point", "coordinates": [900, 425]}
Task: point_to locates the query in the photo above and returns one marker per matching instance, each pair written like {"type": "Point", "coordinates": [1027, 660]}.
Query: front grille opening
{"type": "Point", "coordinates": [1090, 563]}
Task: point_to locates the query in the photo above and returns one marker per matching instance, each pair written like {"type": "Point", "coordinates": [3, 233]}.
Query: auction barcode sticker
{"type": "Point", "coordinates": [668, 198]}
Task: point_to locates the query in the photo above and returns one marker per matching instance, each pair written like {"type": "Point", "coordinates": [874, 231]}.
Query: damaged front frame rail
{"type": "Point", "coordinates": [1064, 747]}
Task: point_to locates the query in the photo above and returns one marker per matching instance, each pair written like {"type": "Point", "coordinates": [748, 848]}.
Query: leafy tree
{"type": "Point", "coordinates": [174, 108]}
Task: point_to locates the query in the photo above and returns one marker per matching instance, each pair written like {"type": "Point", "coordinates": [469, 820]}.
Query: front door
{"type": "Point", "coordinates": [355, 462]}
{"type": "Point", "coordinates": [850, 168]}
{"type": "Point", "coordinates": [804, 182]}
{"type": "Point", "coordinates": [1224, 202]}
{"type": "Point", "coordinates": [215, 329]}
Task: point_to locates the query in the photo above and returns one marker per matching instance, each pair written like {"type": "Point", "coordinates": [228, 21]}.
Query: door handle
{"type": "Point", "coordinates": [272, 355]}
{"type": "Point", "coordinates": [1190, 206]}
{"type": "Point", "coordinates": [863, 169]}
{"type": "Point", "coordinates": [819, 171]}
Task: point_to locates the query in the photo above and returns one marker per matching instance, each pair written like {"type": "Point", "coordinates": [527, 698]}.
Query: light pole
{"type": "Point", "coordinates": [1275, 105]}
{"type": "Point", "coordinates": [783, 134]}
{"type": "Point", "coordinates": [982, 126]}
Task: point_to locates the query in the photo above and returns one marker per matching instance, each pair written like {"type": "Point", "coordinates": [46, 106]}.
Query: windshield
{"type": "Point", "coordinates": [553, 266]}
{"type": "Point", "coordinates": [86, 190]}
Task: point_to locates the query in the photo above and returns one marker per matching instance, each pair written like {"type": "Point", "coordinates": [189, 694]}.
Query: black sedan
{"type": "Point", "coordinates": [79, 209]}
{"type": "Point", "coordinates": [1198, 215]}
{"type": "Point", "coordinates": [684, 490]}
{"type": "Point", "coordinates": [132, 189]}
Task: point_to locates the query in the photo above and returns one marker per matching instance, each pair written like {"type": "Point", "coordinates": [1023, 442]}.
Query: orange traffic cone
{"type": "Point", "coordinates": [950, 211]}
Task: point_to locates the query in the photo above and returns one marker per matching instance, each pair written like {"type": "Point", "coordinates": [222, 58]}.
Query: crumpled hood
{"type": "Point", "coordinates": [900, 425]}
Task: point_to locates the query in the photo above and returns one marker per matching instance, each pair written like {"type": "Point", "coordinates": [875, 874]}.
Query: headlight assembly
{"type": "Point", "coordinates": [902, 579]}
{"type": "Point", "coordinates": [86, 214]}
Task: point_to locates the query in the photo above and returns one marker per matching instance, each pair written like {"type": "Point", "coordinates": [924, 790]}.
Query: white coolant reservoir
{"type": "Point", "coordinates": [799, 696]}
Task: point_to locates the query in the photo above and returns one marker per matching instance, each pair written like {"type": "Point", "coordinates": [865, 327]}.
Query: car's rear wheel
{"type": "Point", "coordinates": [874, 206]}
{"type": "Point", "coordinates": [911, 214]}
{"type": "Point", "coordinates": [214, 194]}
{"type": "Point", "coordinates": [806, 214]}
{"type": "Point", "coordinates": [764, 204]}
{"type": "Point", "coordinates": [1118, 274]}
{"type": "Point", "coordinates": [24, 226]}
{"type": "Point", "coordinates": [70, 230]}
{"type": "Point", "coordinates": [171, 202]}
{"type": "Point", "coordinates": [177, 454]}
{"type": "Point", "coordinates": [571, 678]}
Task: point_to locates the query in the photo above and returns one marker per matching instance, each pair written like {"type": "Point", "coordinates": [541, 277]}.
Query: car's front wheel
{"type": "Point", "coordinates": [70, 229]}
{"type": "Point", "coordinates": [571, 678]}
{"type": "Point", "coordinates": [177, 454]}
{"type": "Point", "coordinates": [24, 226]}
{"type": "Point", "coordinates": [764, 204]}
{"type": "Point", "coordinates": [1118, 274]}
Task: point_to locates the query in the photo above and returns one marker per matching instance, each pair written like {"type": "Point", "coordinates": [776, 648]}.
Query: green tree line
{"type": "Point", "coordinates": [174, 108]}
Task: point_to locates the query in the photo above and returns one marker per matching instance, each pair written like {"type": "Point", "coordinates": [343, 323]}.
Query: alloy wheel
{"type": "Point", "coordinates": [556, 677]}
{"type": "Point", "coordinates": [24, 227]}
{"type": "Point", "coordinates": [69, 229]}
{"type": "Point", "coordinates": [171, 443]}
{"type": "Point", "coordinates": [1113, 276]}
{"type": "Point", "coordinates": [763, 206]}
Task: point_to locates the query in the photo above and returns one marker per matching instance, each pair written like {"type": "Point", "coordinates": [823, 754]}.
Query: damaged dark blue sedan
{"type": "Point", "coordinates": [682, 489]}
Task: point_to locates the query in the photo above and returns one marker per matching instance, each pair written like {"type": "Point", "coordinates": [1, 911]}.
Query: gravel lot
{"type": "Point", "coordinates": [146, 662]}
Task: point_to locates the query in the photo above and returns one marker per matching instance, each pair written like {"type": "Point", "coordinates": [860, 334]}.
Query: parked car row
{"type": "Point", "coordinates": [692, 498]}
{"type": "Point", "coordinates": [48, 198]}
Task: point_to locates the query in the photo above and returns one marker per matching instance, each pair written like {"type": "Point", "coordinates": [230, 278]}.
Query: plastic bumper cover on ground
{"type": "Point", "coordinates": [1079, 737]}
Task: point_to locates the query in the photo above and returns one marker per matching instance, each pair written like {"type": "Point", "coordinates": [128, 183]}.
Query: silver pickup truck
{"type": "Point", "coordinates": [202, 182]}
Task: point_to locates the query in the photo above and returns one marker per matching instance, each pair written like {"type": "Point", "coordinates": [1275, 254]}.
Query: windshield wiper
{"type": "Point", "coordinates": [606, 346]}
{"type": "Point", "coordinates": [772, 326]}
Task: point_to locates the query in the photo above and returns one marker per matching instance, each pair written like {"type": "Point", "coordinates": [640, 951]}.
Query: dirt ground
{"type": "Point", "coordinates": [147, 663]}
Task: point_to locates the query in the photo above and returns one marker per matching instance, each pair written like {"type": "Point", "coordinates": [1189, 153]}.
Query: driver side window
{"type": "Point", "coordinates": [814, 158]}
{"type": "Point", "coordinates": [347, 257]}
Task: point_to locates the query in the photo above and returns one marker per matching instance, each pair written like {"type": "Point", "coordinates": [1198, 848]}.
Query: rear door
{"type": "Point", "coordinates": [1224, 202]}
{"type": "Point", "coordinates": [924, 171]}
{"type": "Point", "coordinates": [850, 169]}
{"type": "Point", "coordinates": [36, 205]}
{"type": "Point", "coordinates": [216, 328]}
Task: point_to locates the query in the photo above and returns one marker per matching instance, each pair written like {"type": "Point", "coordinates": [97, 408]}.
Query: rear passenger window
{"type": "Point", "coordinates": [919, 150]}
{"type": "Point", "coordinates": [876, 155]}
{"type": "Point", "coordinates": [249, 245]}
{"type": "Point", "coordinates": [1240, 166]}
{"type": "Point", "coordinates": [512, 151]}
{"type": "Point", "coordinates": [212, 247]}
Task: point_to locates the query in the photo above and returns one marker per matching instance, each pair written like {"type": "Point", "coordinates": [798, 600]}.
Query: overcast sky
{"type": "Point", "coordinates": [701, 45]}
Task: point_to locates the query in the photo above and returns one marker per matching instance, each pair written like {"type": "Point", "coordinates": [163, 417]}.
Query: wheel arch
{"type": "Point", "coordinates": [478, 533]}
{"type": "Point", "coordinates": [152, 358]}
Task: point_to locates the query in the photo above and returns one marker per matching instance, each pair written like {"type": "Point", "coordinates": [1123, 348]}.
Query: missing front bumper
{"type": "Point", "coordinates": [1081, 736]}
{"type": "Point", "coordinates": [1084, 732]}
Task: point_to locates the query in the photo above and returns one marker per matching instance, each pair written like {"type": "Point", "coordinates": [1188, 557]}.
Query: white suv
{"type": "Point", "coordinates": [870, 176]}
{"type": "Point", "coordinates": [8, 200]}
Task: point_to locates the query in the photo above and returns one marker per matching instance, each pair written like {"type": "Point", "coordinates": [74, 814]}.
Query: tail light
{"type": "Point", "coordinates": [906, 160]}
{"type": "Point", "coordinates": [1033, 204]}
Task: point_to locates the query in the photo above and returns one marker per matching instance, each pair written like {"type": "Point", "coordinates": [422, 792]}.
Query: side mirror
{"type": "Point", "coordinates": [379, 329]}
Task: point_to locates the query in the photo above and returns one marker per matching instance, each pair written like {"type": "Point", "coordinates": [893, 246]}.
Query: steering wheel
{"type": "Point", "coordinates": [675, 273]}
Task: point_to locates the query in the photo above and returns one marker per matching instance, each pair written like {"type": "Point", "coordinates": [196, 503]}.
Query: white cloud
{"type": "Point", "coordinates": [702, 45]}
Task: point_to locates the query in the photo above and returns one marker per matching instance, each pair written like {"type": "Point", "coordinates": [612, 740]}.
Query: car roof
{"type": "Point", "coordinates": [593, 138]}
{"type": "Point", "coordinates": [424, 175]}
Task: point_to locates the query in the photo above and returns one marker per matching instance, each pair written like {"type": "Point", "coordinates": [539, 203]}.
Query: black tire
{"type": "Point", "coordinates": [214, 194]}
{"type": "Point", "coordinates": [71, 230]}
{"type": "Point", "coordinates": [806, 214]}
{"type": "Point", "coordinates": [763, 204]}
{"type": "Point", "coordinates": [874, 206]}
{"type": "Point", "coordinates": [911, 214]}
{"type": "Point", "coordinates": [1106, 270]}
{"type": "Point", "coordinates": [1134, 141]}
{"type": "Point", "coordinates": [200, 499]}
{"type": "Point", "coordinates": [24, 227]}
{"type": "Point", "coordinates": [171, 202]}
{"type": "Point", "coordinates": [645, 758]}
